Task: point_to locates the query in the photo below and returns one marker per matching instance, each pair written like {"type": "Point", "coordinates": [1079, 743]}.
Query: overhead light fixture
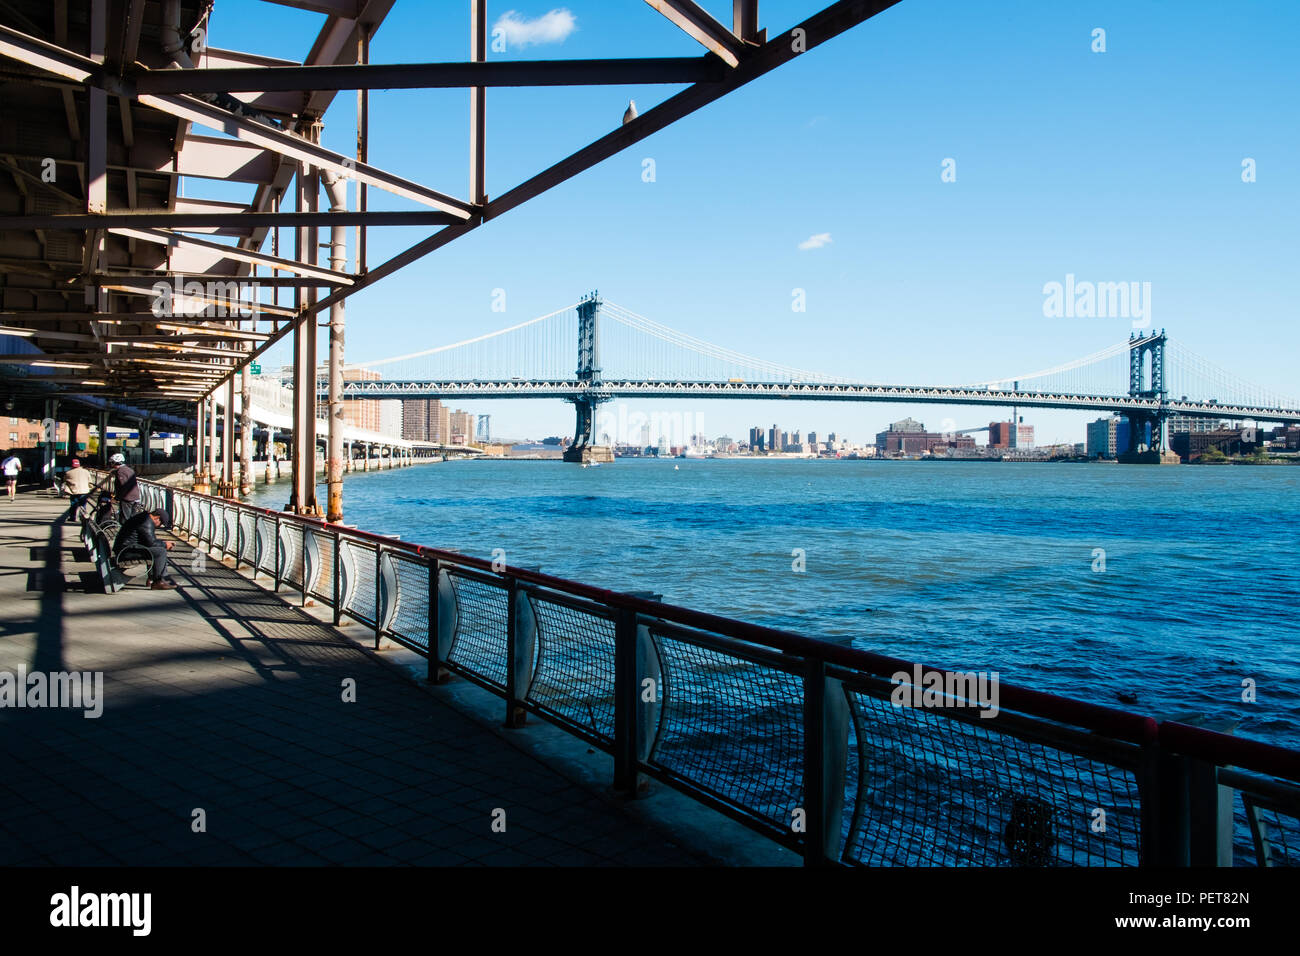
{"type": "Point", "coordinates": [61, 364]}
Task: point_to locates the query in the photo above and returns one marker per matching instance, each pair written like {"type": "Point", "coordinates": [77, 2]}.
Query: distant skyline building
{"type": "Point", "coordinates": [1107, 437]}
{"type": "Point", "coordinates": [426, 419]}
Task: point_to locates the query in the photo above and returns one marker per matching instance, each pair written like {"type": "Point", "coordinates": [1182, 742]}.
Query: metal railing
{"type": "Point", "coordinates": [799, 739]}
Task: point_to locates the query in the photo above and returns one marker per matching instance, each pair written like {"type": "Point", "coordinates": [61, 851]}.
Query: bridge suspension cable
{"type": "Point", "coordinates": [1188, 373]}
{"type": "Point", "coordinates": [1096, 358]}
{"type": "Point", "coordinates": [725, 361]}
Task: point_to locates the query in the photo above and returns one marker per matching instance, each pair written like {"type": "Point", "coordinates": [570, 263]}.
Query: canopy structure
{"type": "Point", "coordinates": [119, 296]}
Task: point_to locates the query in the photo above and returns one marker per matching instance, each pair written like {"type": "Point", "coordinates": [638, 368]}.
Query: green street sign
{"type": "Point", "coordinates": [254, 368]}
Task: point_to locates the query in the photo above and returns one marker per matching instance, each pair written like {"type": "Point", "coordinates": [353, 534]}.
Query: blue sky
{"type": "Point", "coordinates": [1116, 166]}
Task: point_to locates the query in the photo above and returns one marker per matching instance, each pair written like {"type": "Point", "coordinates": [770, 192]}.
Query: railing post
{"type": "Point", "coordinates": [432, 627]}
{"type": "Point", "coordinates": [826, 753]}
{"type": "Point", "coordinates": [814, 727]}
{"type": "Point", "coordinates": [627, 733]}
{"type": "Point", "coordinates": [337, 567]}
{"type": "Point", "coordinates": [276, 562]}
{"type": "Point", "coordinates": [1210, 816]}
{"type": "Point", "coordinates": [379, 583]}
{"type": "Point", "coordinates": [515, 713]}
{"type": "Point", "coordinates": [302, 567]}
{"type": "Point", "coordinates": [1163, 788]}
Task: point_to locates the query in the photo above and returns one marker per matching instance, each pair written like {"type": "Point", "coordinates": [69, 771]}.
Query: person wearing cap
{"type": "Point", "coordinates": [124, 488]}
{"type": "Point", "coordinates": [77, 481]}
{"type": "Point", "coordinates": [138, 531]}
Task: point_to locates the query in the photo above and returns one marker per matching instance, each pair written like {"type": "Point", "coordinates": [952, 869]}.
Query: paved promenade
{"type": "Point", "coordinates": [223, 698]}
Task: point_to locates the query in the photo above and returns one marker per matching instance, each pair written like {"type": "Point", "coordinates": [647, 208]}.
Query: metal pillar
{"type": "Point", "coordinates": [302, 497]}
{"type": "Point", "coordinates": [245, 433]}
{"type": "Point", "coordinates": [228, 442]}
{"type": "Point", "coordinates": [73, 425]}
{"type": "Point", "coordinates": [337, 187]}
{"type": "Point", "coordinates": [200, 465]}
{"type": "Point", "coordinates": [212, 440]}
{"type": "Point", "coordinates": [102, 426]}
{"type": "Point", "coordinates": [146, 443]}
{"type": "Point", "coordinates": [51, 428]}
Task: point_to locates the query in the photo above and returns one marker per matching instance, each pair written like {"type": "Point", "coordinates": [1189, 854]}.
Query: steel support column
{"type": "Point", "coordinates": [103, 438]}
{"type": "Point", "coordinates": [337, 187]}
{"type": "Point", "coordinates": [228, 442]}
{"type": "Point", "coordinates": [212, 441]}
{"type": "Point", "coordinates": [477, 104]}
{"type": "Point", "coordinates": [245, 433]}
{"type": "Point", "coordinates": [51, 428]}
{"type": "Point", "coordinates": [302, 498]}
{"type": "Point", "coordinates": [200, 464]}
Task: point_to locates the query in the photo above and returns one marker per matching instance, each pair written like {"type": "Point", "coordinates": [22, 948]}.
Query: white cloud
{"type": "Point", "coordinates": [817, 241]}
{"type": "Point", "coordinates": [519, 31]}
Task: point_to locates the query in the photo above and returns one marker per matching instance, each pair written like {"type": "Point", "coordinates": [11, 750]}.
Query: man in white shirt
{"type": "Point", "coordinates": [77, 482]}
{"type": "Point", "coordinates": [11, 466]}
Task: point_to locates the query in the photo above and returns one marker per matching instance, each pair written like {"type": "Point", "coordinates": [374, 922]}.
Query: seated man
{"type": "Point", "coordinates": [77, 482]}
{"type": "Point", "coordinates": [138, 531]}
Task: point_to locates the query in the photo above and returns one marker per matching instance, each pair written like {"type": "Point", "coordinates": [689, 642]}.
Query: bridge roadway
{"type": "Point", "coordinates": [571, 390]}
{"type": "Point", "coordinates": [224, 697]}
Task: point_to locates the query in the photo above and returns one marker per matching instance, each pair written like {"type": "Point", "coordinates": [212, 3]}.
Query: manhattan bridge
{"type": "Point", "coordinates": [620, 354]}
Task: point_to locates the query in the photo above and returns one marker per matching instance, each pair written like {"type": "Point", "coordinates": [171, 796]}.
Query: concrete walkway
{"type": "Point", "coordinates": [223, 698]}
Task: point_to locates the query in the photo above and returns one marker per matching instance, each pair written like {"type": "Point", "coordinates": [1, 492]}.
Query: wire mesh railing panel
{"type": "Point", "coordinates": [934, 790]}
{"type": "Point", "coordinates": [219, 526]}
{"type": "Point", "coordinates": [574, 677]}
{"type": "Point", "coordinates": [266, 545]}
{"type": "Point", "coordinates": [733, 727]}
{"type": "Point", "coordinates": [322, 583]}
{"type": "Point", "coordinates": [479, 642]}
{"type": "Point", "coordinates": [1266, 832]}
{"type": "Point", "coordinates": [232, 530]}
{"type": "Point", "coordinates": [247, 537]}
{"type": "Point", "coordinates": [361, 563]}
{"type": "Point", "coordinates": [291, 543]}
{"type": "Point", "coordinates": [411, 617]}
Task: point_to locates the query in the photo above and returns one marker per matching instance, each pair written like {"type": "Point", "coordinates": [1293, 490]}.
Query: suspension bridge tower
{"type": "Point", "coordinates": [584, 447]}
{"type": "Point", "coordinates": [1146, 379]}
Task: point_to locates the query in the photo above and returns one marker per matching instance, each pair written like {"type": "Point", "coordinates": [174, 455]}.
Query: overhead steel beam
{"type": "Point", "coordinates": [235, 253]}
{"type": "Point", "coordinates": [144, 283]}
{"type": "Point", "coordinates": [334, 8]}
{"type": "Point", "coordinates": [744, 20]}
{"type": "Point", "coordinates": [422, 76]}
{"type": "Point", "coordinates": [699, 24]}
{"type": "Point", "coordinates": [814, 31]}
{"type": "Point", "coordinates": [781, 49]}
{"type": "Point", "coordinates": [45, 56]}
{"type": "Point", "coordinates": [161, 219]}
{"type": "Point", "coordinates": [295, 147]}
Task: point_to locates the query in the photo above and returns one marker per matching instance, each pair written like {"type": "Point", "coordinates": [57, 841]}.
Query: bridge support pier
{"type": "Point", "coordinates": [1146, 429]}
{"type": "Point", "coordinates": [584, 448]}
